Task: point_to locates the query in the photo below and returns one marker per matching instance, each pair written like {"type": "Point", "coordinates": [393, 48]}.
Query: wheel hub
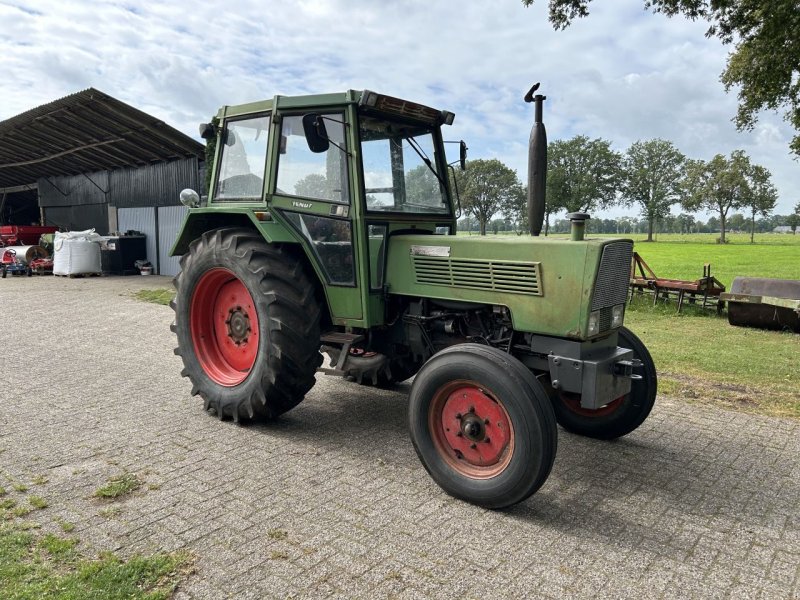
{"type": "Point", "coordinates": [238, 323]}
{"type": "Point", "coordinates": [224, 326]}
{"type": "Point", "coordinates": [473, 429]}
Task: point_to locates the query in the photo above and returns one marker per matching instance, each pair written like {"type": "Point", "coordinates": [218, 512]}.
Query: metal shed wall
{"type": "Point", "coordinates": [74, 190]}
{"type": "Point", "coordinates": [170, 219]}
{"type": "Point", "coordinates": [78, 218]}
{"type": "Point", "coordinates": [159, 184]}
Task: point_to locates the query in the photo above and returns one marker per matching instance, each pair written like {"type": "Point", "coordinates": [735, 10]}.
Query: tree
{"type": "Point", "coordinates": [653, 175]}
{"type": "Point", "coordinates": [793, 221]}
{"type": "Point", "coordinates": [515, 208]}
{"type": "Point", "coordinates": [423, 187]}
{"type": "Point", "coordinates": [485, 186]}
{"type": "Point", "coordinates": [717, 185]}
{"type": "Point", "coordinates": [582, 174]}
{"type": "Point", "coordinates": [735, 222]}
{"type": "Point", "coordinates": [312, 185]}
{"type": "Point", "coordinates": [684, 223]}
{"type": "Point", "coordinates": [765, 62]}
{"type": "Point", "coordinates": [762, 197]}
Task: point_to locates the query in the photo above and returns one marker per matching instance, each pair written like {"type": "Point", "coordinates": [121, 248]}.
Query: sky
{"type": "Point", "coordinates": [623, 74]}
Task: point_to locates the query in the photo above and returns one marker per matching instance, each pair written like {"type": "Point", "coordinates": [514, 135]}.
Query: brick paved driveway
{"type": "Point", "coordinates": [696, 503]}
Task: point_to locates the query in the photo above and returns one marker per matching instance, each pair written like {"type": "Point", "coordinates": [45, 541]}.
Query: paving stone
{"type": "Point", "coordinates": [697, 503]}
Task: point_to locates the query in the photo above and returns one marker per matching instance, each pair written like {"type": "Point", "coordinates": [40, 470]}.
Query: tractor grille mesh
{"type": "Point", "coordinates": [611, 286]}
{"type": "Point", "coordinates": [499, 276]}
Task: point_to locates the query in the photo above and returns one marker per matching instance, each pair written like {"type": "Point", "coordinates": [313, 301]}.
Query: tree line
{"type": "Point", "coordinates": [586, 175]}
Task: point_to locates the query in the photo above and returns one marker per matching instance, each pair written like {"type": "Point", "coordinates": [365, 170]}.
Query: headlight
{"type": "Point", "coordinates": [594, 323]}
{"type": "Point", "coordinates": [617, 315]}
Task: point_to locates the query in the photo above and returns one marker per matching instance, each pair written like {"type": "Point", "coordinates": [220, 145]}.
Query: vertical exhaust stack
{"type": "Point", "coordinates": [537, 165]}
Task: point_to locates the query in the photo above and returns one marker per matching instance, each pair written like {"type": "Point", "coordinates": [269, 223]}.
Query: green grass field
{"type": "Point", "coordinates": [683, 256]}
{"type": "Point", "coordinates": [699, 356]}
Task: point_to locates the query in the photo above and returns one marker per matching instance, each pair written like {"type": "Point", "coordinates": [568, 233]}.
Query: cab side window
{"type": "Point", "coordinates": [244, 156]}
{"type": "Point", "coordinates": [319, 176]}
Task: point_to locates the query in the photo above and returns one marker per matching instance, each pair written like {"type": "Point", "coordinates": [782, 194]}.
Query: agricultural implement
{"type": "Point", "coordinates": [330, 223]}
{"type": "Point", "coordinates": [764, 303]}
{"type": "Point", "coordinates": [704, 291]}
{"type": "Point", "coordinates": [23, 235]}
{"type": "Point", "coordinates": [11, 264]}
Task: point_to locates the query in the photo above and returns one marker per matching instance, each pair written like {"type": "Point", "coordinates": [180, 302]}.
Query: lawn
{"type": "Point", "coordinates": [683, 256]}
{"type": "Point", "coordinates": [701, 358]}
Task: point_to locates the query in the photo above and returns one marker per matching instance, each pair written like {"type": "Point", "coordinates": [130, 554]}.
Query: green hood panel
{"type": "Point", "coordinates": [545, 283]}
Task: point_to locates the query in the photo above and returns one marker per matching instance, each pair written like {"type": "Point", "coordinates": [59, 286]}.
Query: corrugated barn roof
{"type": "Point", "coordinates": [84, 132]}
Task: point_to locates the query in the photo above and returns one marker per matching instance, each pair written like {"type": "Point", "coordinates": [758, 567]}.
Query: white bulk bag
{"type": "Point", "coordinates": [76, 253]}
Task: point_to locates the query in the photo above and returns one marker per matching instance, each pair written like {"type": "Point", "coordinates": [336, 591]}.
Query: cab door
{"type": "Point", "coordinates": [313, 194]}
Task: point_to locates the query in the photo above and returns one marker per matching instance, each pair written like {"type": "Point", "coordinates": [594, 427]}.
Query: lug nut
{"type": "Point", "coordinates": [459, 434]}
{"type": "Point", "coordinates": [473, 446]}
{"type": "Point", "coordinates": [471, 409]}
{"type": "Point", "coordinates": [487, 440]}
{"type": "Point", "coordinates": [459, 416]}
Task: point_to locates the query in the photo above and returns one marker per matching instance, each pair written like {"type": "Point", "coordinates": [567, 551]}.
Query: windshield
{"type": "Point", "coordinates": [244, 157]}
{"type": "Point", "coordinates": [400, 172]}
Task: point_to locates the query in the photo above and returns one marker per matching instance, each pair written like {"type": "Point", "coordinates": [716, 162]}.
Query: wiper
{"type": "Point", "coordinates": [421, 153]}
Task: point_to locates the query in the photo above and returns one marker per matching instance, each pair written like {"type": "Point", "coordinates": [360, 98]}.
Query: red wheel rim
{"type": "Point", "coordinates": [471, 429]}
{"type": "Point", "coordinates": [224, 327]}
{"type": "Point", "coordinates": [573, 403]}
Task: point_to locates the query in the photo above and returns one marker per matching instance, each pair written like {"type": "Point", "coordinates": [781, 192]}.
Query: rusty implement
{"type": "Point", "coordinates": [704, 291]}
{"type": "Point", "coordinates": [765, 303]}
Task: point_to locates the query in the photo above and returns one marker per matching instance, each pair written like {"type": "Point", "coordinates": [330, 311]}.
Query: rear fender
{"type": "Point", "coordinates": [200, 220]}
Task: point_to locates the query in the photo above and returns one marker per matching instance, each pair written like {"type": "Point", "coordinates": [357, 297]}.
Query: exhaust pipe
{"type": "Point", "coordinates": [537, 165]}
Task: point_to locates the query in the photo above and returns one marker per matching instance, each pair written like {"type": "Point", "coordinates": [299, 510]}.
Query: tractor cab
{"type": "Point", "coordinates": [341, 173]}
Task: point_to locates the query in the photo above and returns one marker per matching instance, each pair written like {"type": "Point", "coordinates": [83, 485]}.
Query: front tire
{"type": "Point", "coordinates": [247, 322]}
{"type": "Point", "coordinates": [482, 425]}
{"type": "Point", "coordinates": [620, 416]}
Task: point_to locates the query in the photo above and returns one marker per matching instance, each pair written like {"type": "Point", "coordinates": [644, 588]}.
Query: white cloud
{"type": "Point", "coordinates": [622, 74]}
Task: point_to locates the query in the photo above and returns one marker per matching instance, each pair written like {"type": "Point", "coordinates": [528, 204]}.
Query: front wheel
{"type": "Point", "coordinates": [482, 425]}
{"type": "Point", "coordinates": [622, 415]}
{"type": "Point", "coordinates": [247, 322]}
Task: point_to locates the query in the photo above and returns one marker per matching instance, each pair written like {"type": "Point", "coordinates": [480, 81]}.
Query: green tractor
{"type": "Point", "coordinates": [330, 226]}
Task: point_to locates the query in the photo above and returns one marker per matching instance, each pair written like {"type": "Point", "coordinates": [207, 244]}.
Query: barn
{"type": "Point", "coordinates": [91, 161]}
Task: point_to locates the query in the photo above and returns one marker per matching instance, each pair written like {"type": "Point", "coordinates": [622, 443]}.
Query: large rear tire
{"type": "Point", "coordinates": [620, 416]}
{"type": "Point", "coordinates": [247, 322]}
{"type": "Point", "coordinates": [482, 425]}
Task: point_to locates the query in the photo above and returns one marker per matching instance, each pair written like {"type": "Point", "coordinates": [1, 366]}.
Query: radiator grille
{"type": "Point", "coordinates": [499, 276]}
{"type": "Point", "coordinates": [611, 286]}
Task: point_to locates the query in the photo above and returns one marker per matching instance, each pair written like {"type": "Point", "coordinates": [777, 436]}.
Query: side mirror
{"type": "Point", "coordinates": [316, 134]}
{"type": "Point", "coordinates": [207, 131]}
{"type": "Point", "coordinates": [230, 138]}
{"type": "Point", "coordinates": [462, 155]}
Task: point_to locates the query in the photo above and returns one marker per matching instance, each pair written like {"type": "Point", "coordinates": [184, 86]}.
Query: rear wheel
{"type": "Point", "coordinates": [482, 425]}
{"type": "Point", "coordinates": [620, 416]}
{"type": "Point", "coordinates": [247, 323]}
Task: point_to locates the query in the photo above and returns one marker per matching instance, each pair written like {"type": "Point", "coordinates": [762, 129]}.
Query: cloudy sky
{"type": "Point", "coordinates": [623, 74]}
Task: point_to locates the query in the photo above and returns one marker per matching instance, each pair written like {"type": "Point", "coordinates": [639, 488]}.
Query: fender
{"type": "Point", "coordinates": [200, 220]}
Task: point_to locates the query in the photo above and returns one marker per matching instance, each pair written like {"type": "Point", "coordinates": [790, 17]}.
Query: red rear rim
{"type": "Point", "coordinates": [224, 327]}
{"type": "Point", "coordinates": [471, 429]}
{"type": "Point", "coordinates": [573, 403]}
